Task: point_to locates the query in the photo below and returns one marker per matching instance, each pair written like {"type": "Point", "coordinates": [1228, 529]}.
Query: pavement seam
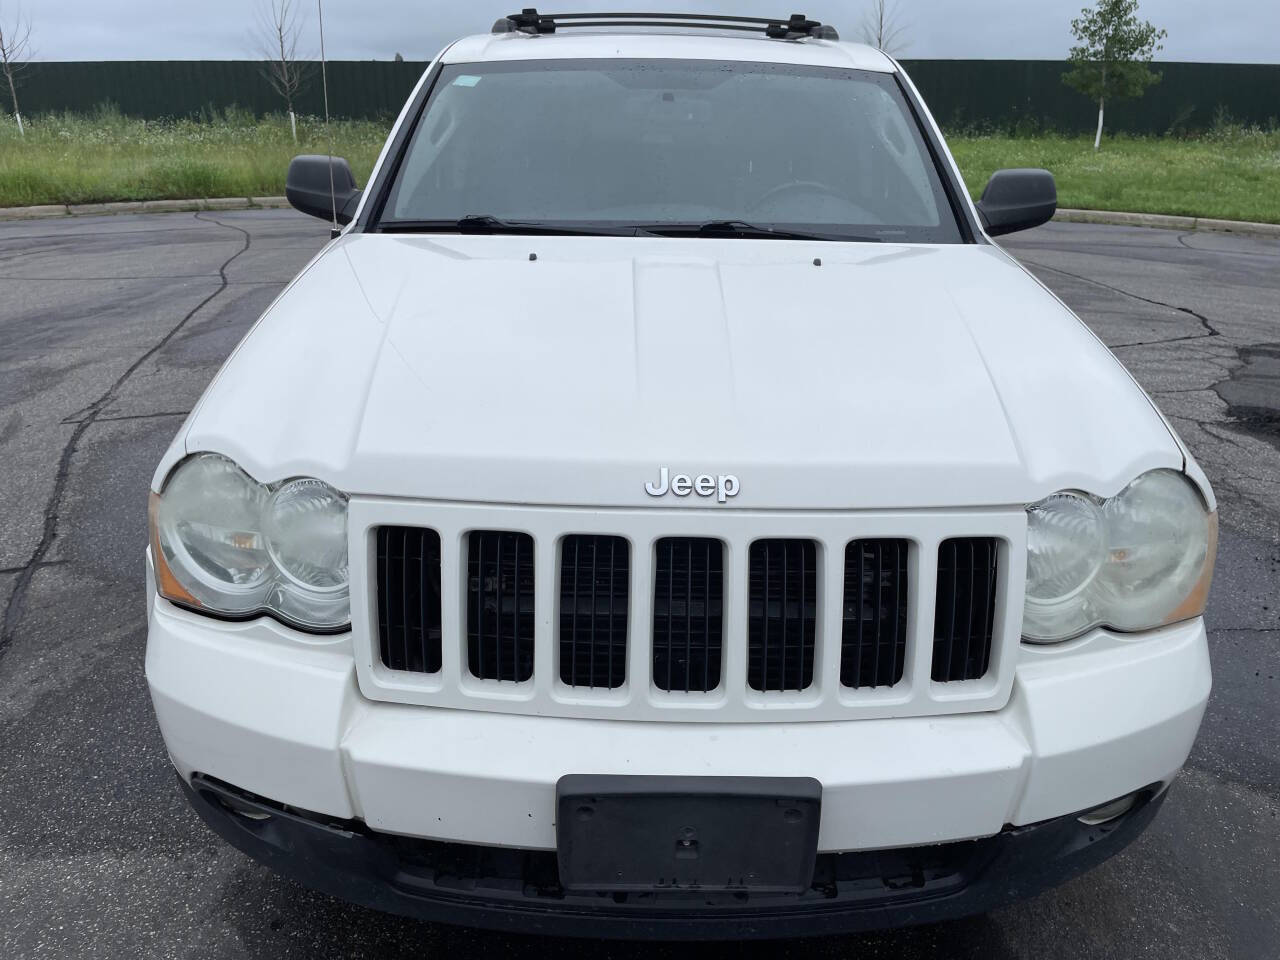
{"type": "Point", "coordinates": [17, 599]}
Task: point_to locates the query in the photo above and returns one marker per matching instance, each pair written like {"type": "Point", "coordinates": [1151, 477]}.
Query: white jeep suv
{"type": "Point", "coordinates": [662, 511]}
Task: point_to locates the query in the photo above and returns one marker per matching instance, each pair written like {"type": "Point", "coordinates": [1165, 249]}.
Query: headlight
{"type": "Point", "coordinates": [226, 544]}
{"type": "Point", "coordinates": [1138, 561]}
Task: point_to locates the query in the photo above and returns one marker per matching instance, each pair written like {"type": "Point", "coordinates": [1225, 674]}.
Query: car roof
{"type": "Point", "coordinates": [605, 44]}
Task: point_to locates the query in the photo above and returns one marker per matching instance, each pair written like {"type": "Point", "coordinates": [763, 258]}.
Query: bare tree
{"type": "Point", "coordinates": [280, 24]}
{"type": "Point", "coordinates": [15, 55]}
{"type": "Point", "coordinates": [882, 27]}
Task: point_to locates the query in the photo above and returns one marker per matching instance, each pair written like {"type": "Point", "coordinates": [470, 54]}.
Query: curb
{"type": "Point", "coordinates": [1165, 222]}
{"type": "Point", "coordinates": [1103, 217]}
{"type": "Point", "coordinates": [49, 211]}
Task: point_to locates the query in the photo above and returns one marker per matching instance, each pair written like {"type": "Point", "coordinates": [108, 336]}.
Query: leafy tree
{"type": "Point", "coordinates": [1114, 54]}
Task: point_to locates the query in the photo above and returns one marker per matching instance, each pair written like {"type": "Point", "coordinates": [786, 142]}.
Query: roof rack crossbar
{"type": "Point", "coordinates": [631, 16]}
{"type": "Point", "coordinates": [658, 23]}
{"type": "Point", "coordinates": [795, 27]}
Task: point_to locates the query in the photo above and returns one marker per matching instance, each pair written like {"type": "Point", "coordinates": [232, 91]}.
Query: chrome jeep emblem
{"type": "Point", "coordinates": [723, 487]}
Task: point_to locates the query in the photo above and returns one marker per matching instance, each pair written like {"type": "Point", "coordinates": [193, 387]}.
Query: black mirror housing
{"type": "Point", "coordinates": [307, 188]}
{"type": "Point", "coordinates": [1018, 200]}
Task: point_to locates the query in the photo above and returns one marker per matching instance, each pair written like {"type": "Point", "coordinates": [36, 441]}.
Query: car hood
{"type": "Point", "coordinates": [570, 370]}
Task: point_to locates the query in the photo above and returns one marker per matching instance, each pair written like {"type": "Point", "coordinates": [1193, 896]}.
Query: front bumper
{"type": "Point", "coordinates": [251, 705]}
{"type": "Point", "coordinates": [518, 890]}
{"type": "Point", "coordinates": [281, 718]}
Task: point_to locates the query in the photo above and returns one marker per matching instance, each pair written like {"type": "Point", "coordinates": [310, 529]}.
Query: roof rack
{"type": "Point", "coordinates": [795, 27]}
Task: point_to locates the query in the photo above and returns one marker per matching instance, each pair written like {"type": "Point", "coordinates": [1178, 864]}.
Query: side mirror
{"type": "Point", "coordinates": [1018, 200]}
{"type": "Point", "coordinates": [307, 187]}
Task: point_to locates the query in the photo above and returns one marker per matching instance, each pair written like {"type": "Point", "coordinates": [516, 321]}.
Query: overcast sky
{"type": "Point", "coordinates": [1218, 30]}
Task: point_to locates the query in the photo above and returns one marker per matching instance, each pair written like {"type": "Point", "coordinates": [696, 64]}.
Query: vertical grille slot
{"type": "Point", "coordinates": [965, 614]}
{"type": "Point", "coordinates": [688, 614]}
{"type": "Point", "coordinates": [409, 599]}
{"type": "Point", "coordinates": [873, 637]}
{"type": "Point", "coordinates": [782, 614]}
{"type": "Point", "coordinates": [500, 605]}
{"type": "Point", "coordinates": [594, 589]}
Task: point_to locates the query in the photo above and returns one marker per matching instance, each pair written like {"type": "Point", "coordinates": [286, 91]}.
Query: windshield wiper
{"type": "Point", "coordinates": [486, 224]}
{"type": "Point", "coordinates": [750, 231]}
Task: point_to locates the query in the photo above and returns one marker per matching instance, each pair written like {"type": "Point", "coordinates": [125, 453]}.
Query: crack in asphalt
{"type": "Point", "coordinates": [23, 238]}
{"type": "Point", "coordinates": [1159, 343]}
{"type": "Point", "coordinates": [1218, 252]}
{"type": "Point", "coordinates": [1209, 329]}
{"type": "Point", "coordinates": [156, 276]}
{"type": "Point", "coordinates": [17, 599]}
{"type": "Point", "coordinates": [1232, 440]}
{"type": "Point", "coordinates": [131, 416]}
{"type": "Point", "coordinates": [43, 564]}
{"type": "Point", "coordinates": [1127, 244]}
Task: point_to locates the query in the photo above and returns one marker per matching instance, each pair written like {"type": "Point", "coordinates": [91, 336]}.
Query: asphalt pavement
{"type": "Point", "coordinates": [111, 327]}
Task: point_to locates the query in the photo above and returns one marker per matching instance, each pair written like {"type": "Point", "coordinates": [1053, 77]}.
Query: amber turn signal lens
{"type": "Point", "coordinates": [167, 584]}
{"type": "Point", "coordinates": [1198, 599]}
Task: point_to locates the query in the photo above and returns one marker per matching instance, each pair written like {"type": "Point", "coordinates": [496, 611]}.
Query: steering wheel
{"type": "Point", "coordinates": [809, 186]}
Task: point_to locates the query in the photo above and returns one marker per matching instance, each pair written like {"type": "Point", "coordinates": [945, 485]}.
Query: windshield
{"type": "Point", "coordinates": [704, 147]}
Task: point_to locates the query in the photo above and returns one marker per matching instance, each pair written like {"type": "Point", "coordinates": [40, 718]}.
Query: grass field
{"type": "Point", "coordinates": [91, 159]}
{"type": "Point", "coordinates": [1230, 172]}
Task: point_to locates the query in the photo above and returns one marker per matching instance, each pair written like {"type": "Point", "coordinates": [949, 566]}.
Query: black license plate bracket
{"type": "Point", "coordinates": [642, 834]}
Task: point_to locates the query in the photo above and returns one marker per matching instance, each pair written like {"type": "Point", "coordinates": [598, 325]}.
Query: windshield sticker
{"type": "Point", "coordinates": [466, 81]}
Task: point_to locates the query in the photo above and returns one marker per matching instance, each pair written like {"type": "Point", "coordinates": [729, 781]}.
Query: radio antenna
{"type": "Point", "coordinates": [334, 231]}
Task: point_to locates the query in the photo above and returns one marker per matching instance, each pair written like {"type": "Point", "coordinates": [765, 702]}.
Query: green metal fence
{"type": "Point", "coordinates": [1030, 95]}
{"type": "Point", "coordinates": [1003, 94]}
{"type": "Point", "coordinates": [189, 88]}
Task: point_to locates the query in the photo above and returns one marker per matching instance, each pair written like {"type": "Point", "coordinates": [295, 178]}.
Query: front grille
{"type": "Point", "coordinates": [688, 614]}
{"type": "Point", "coordinates": [873, 635]}
{"type": "Point", "coordinates": [964, 617]}
{"type": "Point", "coordinates": [782, 614]}
{"type": "Point", "coordinates": [409, 599]}
{"type": "Point", "coordinates": [500, 605]}
{"type": "Point", "coordinates": [595, 579]}
{"type": "Point", "coordinates": [732, 617]}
